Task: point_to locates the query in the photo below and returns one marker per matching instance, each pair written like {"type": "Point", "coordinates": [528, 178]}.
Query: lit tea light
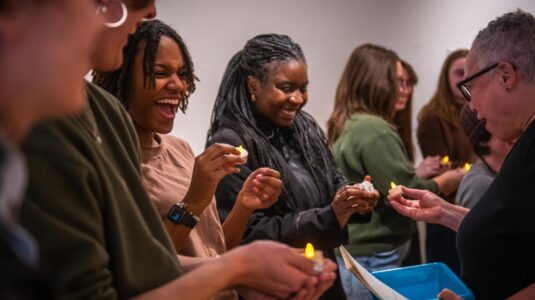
{"type": "Point", "coordinates": [467, 167]}
{"type": "Point", "coordinates": [395, 190]}
{"type": "Point", "coordinates": [243, 152]}
{"type": "Point", "coordinates": [316, 256]}
{"type": "Point", "coordinates": [445, 160]}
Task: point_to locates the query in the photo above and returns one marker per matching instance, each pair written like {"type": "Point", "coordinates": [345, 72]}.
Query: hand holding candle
{"type": "Point", "coordinates": [395, 190]}
{"type": "Point", "coordinates": [243, 153]}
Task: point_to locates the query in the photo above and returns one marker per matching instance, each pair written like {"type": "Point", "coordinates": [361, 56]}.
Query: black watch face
{"type": "Point", "coordinates": [175, 215]}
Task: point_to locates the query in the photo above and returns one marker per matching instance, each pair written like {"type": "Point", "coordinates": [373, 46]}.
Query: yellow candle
{"type": "Point", "coordinates": [445, 160]}
{"type": "Point", "coordinates": [467, 167]}
{"type": "Point", "coordinates": [395, 190]}
{"type": "Point", "coordinates": [309, 251]}
{"type": "Point", "coordinates": [240, 148]}
{"type": "Point", "coordinates": [316, 256]}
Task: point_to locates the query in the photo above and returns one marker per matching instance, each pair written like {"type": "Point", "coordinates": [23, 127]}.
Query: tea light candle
{"type": "Point", "coordinates": [316, 256]}
{"type": "Point", "coordinates": [395, 190]}
{"type": "Point", "coordinates": [243, 153]}
{"type": "Point", "coordinates": [467, 167]}
{"type": "Point", "coordinates": [445, 160]}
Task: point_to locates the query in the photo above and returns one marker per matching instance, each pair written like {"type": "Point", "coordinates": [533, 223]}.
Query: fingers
{"type": "Point", "coordinates": [447, 294]}
{"type": "Point", "coordinates": [413, 193]}
{"type": "Point", "coordinates": [403, 209]}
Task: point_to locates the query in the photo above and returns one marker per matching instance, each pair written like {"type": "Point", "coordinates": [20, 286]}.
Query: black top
{"type": "Point", "coordinates": [496, 240]}
{"type": "Point", "coordinates": [312, 218]}
{"type": "Point", "coordinates": [311, 222]}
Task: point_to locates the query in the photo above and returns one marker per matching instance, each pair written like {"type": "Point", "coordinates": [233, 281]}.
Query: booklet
{"type": "Point", "coordinates": [374, 285]}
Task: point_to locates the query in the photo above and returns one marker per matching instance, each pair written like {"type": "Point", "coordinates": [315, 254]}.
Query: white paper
{"type": "Point", "coordinates": [377, 287]}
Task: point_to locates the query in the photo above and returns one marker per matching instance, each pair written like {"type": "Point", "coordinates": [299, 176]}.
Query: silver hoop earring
{"type": "Point", "coordinates": [103, 9]}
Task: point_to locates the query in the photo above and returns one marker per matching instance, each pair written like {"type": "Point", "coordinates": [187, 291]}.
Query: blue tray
{"type": "Point", "coordinates": [423, 281]}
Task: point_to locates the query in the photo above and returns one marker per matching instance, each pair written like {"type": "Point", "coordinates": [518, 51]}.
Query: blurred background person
{"type": "Point", "coordinates": [491, 153]}
{"type": "Point", "coordinates": [439, 133]}
{"type": "Point", "coordinates": [430, 166]}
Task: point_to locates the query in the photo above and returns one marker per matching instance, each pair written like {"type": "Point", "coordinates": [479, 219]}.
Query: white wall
{"type": "Point", "coordinates": [420, 31]}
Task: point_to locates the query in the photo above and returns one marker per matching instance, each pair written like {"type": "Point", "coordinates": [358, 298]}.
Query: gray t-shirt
{"type": "Point", "coordinates": [474, 185]}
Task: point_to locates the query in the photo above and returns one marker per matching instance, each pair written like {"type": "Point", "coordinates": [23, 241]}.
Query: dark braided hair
{"type": "Point", "coordinates": [233, 109]}
{"type": "Point", "coordinates": [119, 82]}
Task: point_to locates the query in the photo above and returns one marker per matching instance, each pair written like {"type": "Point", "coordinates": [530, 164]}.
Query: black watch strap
{"type": "Point", "coordinates": [179, 214]}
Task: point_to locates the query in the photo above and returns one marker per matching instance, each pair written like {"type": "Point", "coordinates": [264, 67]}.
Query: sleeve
{"type": "Point", "coordinates": [471, 189]}
{"type": "Point", "coordinates": [385, 160]}
{"type": "Point", "coordinates": [61, 209]}
{"type": "Point", "coordinates": [318, 225]}
{"type": "Point", "coordinates": [431, 137]}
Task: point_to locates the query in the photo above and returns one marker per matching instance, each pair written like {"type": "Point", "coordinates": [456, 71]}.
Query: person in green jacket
{"type": "Point", "coordinates": [365, 141]}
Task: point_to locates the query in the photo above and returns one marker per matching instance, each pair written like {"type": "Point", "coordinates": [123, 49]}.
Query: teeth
{"type": "Point", "coordinates": [168, 101]}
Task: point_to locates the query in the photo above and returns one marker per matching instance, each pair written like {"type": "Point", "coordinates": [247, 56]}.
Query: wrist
{"type": "Point", "coordinates": [240, 207]}
{"type": "Point", "coordinates": [234, 267]}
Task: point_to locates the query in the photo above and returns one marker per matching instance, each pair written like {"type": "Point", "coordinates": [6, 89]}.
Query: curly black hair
{"type": "Point", "coordinates": [119, 82]}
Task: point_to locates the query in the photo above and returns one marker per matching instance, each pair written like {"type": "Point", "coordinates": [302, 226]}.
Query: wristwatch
{"type": "Point", "coordinates": [179, 214]}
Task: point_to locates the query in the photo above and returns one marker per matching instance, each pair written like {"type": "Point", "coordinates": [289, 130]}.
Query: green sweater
{"type": "Point", "coordinates": [369, 145]}
{"type": "Point", "coordinates": [98, 232]}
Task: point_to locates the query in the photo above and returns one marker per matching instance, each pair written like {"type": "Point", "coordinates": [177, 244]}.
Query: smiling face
{"type": "Point", "coordinates": [456, 74]}
{"type": "Point", "coordinates": [153, 110]}
{"type": "Point", "coordinates": [282, 94]}
{"type": "Point", "coordinates": [499, 108]}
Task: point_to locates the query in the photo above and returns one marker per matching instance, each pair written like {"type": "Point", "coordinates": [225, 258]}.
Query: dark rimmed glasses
{"type": "Point", "coordinates": [461, 85]}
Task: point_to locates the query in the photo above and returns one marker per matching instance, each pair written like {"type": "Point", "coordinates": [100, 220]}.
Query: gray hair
{"type": "Point", "coordinates": [510, 38]}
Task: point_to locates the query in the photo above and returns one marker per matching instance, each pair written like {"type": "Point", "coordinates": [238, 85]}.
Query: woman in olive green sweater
{"type": "Point", "coordinates": [364, 141]}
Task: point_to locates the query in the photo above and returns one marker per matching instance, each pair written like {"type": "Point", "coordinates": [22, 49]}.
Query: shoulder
{"type": "Point", "coordinates": [368, 126]}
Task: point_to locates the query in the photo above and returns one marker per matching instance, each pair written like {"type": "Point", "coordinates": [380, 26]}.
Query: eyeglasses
{"type": "Point", "coordinates": [461, 85]}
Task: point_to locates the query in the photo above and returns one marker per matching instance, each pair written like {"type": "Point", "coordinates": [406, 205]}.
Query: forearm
{"type": "Point", "coordinates": [190, 263]}
{"type": "Point", "coordinates": [235, 225]}
{"type": "Point", "coordinates": [202, 282]}
{"type": "Point", "coordinates": [453, 215]}
{"type": "Point", "coordinates": [179, 233]}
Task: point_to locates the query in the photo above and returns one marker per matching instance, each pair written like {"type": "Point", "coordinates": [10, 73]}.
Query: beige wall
{"type": "Point", "coordinates": [420, 31]}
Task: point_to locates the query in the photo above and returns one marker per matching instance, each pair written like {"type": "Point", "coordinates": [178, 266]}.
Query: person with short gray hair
{"type": "Point", "coordinates": [496, 238]}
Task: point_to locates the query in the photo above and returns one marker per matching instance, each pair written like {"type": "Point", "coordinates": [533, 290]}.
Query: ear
{"type": "Point", "coordinates": [507, 75]}
{"type": "Point", "coordinates": [252, 84]}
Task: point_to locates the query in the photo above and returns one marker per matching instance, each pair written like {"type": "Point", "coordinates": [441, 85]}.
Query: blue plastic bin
{"type": "Point", "coordinates": [423, 281]}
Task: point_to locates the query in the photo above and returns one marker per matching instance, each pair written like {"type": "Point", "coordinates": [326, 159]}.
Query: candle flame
{"type": "Point", "coordinates": [309, 251]}
{"type": "Point", "coordinates": [392, 184]}
{"type": "Point", "coordinates": [445, 160]}
{"type": "Point", "coordinates": [240, 148]}
{"type": "Point", "coordinates": [467, 167]}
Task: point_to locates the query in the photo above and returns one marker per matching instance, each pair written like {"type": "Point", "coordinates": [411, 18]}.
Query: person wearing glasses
{"type": "Point", "coordinates": [440, 134]}
{"type": "Point", "coordinates": [496, 238]}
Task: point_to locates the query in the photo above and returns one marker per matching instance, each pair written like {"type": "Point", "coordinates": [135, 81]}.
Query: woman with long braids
{"type": "Point", "coordinates": [259, 106]}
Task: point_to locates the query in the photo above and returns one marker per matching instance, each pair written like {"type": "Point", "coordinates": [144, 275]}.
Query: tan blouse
{"type": "Point", "coordinates": [167, 170]}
